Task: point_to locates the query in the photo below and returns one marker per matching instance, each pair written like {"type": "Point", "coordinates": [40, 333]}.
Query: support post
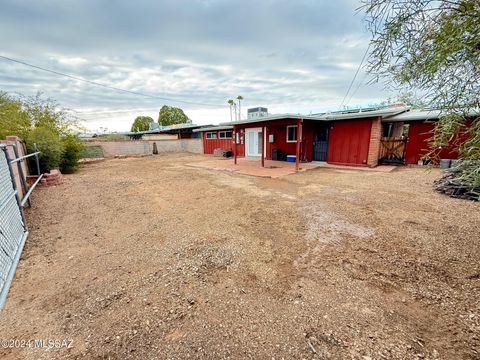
{"type": "Point", "coordinates": [263, 146]}
{"type": "Point", "coordinates": [299, 137]}
{"type": "Point", "coordinates": [35, 149]}
{"type": "Point", "coordinates": [21, 174]}
{"type": "Point", "coordinates": [235, 130]}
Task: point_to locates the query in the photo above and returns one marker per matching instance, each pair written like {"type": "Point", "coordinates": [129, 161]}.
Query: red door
{"type": "Point", "coordinates": [348, 142]}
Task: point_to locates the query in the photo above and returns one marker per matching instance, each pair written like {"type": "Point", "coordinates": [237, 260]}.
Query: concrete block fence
{"type": "Point", "coordinates": [142, 147]}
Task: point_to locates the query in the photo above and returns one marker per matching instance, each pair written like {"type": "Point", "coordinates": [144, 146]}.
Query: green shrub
{"type": "Point", "coordinates": [73, 149]}
{"type": "Point", "coordinates": [50, 146]}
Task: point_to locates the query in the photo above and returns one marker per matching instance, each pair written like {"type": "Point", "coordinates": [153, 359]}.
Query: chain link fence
{"type": "Point", "coordinates": [13, 228]}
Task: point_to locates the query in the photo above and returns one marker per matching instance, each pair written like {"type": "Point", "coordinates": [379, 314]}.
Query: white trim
{"type": "Point", "coordinates": [225, 137]}
{"type": "Point", "coordinates": [291, 126]}
{"type": "Point", "coordinates": [264, 142]}
{"type": "Point", "coordinates": [211, 132]}
{"type": "Point", "coordinates": [256, 131]}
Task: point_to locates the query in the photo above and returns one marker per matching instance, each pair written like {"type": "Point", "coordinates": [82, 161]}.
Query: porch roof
{"type": "Point", "coordinates": [213, 128]}
{"type": "Point", "coordinates": [415, 115]}
{"type": "Point", "coordinates": [422, 115]}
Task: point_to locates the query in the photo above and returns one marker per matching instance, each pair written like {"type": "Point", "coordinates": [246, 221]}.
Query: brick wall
{"type": "Point", "coordinates": [374, 145]}
{"type": "Point", "coordinates": [141, 147]}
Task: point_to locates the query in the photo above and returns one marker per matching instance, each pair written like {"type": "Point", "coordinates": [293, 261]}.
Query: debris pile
{"type": "Point", "coordinates": [454, 185]}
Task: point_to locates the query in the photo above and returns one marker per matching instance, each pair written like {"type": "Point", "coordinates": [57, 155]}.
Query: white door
{"type": "Point", "coordinates": [253, 141]}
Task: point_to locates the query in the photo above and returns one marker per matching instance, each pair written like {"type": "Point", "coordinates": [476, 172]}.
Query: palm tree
{"type": "Point", "coordinates": [230, 102]}
{"type": "Point", "coordinates": [235, 110]}
{"type": "Point", "coordinates": [239, 98]}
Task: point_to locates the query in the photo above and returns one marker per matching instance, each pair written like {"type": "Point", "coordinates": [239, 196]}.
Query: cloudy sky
{"type": "Point", "coordinates": [290, 56]}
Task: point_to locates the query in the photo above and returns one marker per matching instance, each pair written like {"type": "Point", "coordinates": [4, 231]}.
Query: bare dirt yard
{"type": "Point", "coordinates": [148, 258]}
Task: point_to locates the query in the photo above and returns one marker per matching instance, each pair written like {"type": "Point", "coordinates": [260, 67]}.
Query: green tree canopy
{"type": "Point", "coordinates": [14, 119]}
{"type": "Point", "coordinates": [170, 115]}
{"type": "Point", "coordinates": [42, 121]}
{"type": "Point", "coordinates": [433, 47]}
{"type": "Point", "coordinates": [141, 123]}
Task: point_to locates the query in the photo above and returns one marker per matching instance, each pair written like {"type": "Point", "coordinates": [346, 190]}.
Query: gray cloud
{"type": "Point", "coordinates": [287, 55]}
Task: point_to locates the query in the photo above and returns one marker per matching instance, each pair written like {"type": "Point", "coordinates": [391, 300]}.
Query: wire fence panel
{"type": "Point", "coordinates": [13, 230]}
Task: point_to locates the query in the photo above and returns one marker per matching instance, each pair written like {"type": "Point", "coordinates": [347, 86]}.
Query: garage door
{"type": "Point", "coordinates": [348, 142]}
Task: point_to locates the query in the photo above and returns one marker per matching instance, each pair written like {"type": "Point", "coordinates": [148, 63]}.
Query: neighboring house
{"type": "Point", "coordinates": [171, 132]}
{"type": "Point", "coordinates": [363, 137]}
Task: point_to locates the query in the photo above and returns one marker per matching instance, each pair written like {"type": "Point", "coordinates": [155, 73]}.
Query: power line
{"type": "Point", "coordinates": [100, 112]}
{"type": "Point", "coordinates": [106, 86]}
{"type": "Point", "coordinates": [356, 73]}
{"type": "Point", "coordinates": [355, 91]}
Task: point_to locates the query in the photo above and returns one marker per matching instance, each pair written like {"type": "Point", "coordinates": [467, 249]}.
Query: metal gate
{"type": "Point", "coordinates": [13, 230]}
{"type": "Point", "coordinates": [320, 143]}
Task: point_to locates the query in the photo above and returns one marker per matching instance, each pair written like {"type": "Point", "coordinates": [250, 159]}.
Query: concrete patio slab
{"type": "Point", "coordinates": [274, 169]}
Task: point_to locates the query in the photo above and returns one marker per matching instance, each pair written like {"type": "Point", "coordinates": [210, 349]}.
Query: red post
{"type": "Point", "coordinates": [263, 146]}
{"type": "Point", "coordinates": [235, 145]}
{"type": "Point", "coordinates": [299, 137]}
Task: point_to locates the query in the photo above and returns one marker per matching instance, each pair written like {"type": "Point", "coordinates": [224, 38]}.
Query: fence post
{"type": "Point", "coordinates": [22, 175]}
{"type": "Point", "coordinates": [35, 149]}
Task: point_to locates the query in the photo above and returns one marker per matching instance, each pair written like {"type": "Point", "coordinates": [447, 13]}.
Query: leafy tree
{"type": "Point", "coordinates": [231, 102]}
{"type": "Point", "coordinates": [46, 112]}
{"type": "Point", "coordinates": [14, 120]}
{"type": "Point", "coordinates": [432, 46]}
{"type": "Point", "coordinates": [50, 146]}
{"type": "Point", "coordinates": [141, 123]}
{"type": "Point", "coordinates": [41, 120]}
{"type": "Point", "coordinates": [170, 115]}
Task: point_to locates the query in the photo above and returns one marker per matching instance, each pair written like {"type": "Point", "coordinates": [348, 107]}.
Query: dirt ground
{"type": "Point", "coordinates": [148, 258]}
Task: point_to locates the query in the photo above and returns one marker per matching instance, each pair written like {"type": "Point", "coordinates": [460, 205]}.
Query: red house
{"type": "Point", "coordinates": [366, 137]}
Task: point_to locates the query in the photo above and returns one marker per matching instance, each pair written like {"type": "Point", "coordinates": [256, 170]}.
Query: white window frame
{"type": "Point", "coordinates": [296, 133]}
{"type": "Point", "coordinates": [211, 133]}
{"type": "Point", "coordinates": [224, 132]}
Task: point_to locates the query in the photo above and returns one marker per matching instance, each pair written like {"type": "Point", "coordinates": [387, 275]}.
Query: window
{"type": "Point", "coordinates": [387, 129]}
{"type": "Point", "coordinates": [225, 135]}
{"type": "Point", "coordinates": [292, 133]}
{"type": "Point", "coordinates": [211, 135]}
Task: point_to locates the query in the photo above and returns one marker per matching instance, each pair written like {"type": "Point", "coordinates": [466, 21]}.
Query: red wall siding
{"type": "Point", "coordinates": [348, 142]}
{"type": "Point", "coordinates": [279, 129]}
{"type": "Point", "coordinates": [280, 140]}
{"type": "Point", "coordinates": [419, 133]}
{"type": "Point", "coordinates": [417, 145]}
{"type": "Point", "coordinates": [209, 145]}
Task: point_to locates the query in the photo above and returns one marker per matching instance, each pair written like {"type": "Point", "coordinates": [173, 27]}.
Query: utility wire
{"type": "Point", "coordinates": [355, 91]}
{"type": "Point", "coordinates": [101, 112]}
{"type": "Point", "coordinates": [103, 85]}
{"type": "Point", "coordinates": [355, 76]}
